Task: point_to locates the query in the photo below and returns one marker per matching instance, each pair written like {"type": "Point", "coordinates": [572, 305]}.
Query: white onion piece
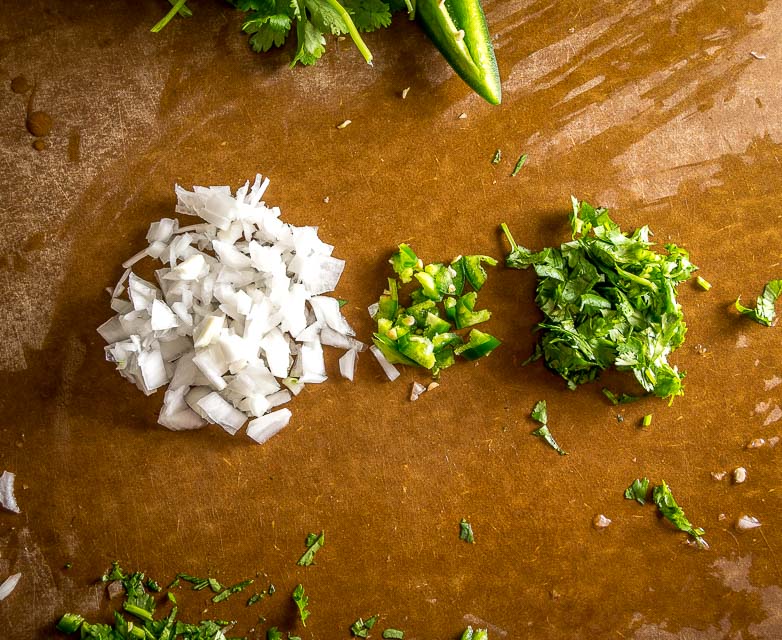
{"type": "Point", "coordinates": [263, 428]}
{"type": "Point", "coordinates": [416, 391]}
{"type": "Point", "coordinates": [222, 412]}
{"type": "Point", "coordinates": [347, 364]}
{"type": "Point", "coordinates": [745, 523]}
{"type": "Point", "coordinates": [7, 498]}
{"type": "Point", "coordinates": [9, 584]}
{"type": "Point", "coordinates": [237, 310]}
{"type": "Point", "coordinates": [373, 309]}
{"type": "Point", "coordinates": [278, 398]}
{"type": "Point", "coordinates": [389, 369]}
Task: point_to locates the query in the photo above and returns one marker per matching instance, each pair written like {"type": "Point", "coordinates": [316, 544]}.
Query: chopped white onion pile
{"type": "Point", "coordinates": [9, 584]}
{"type": "Point", "coordinates": [7, 499]}
{"type": "Point", "coordinates": [237, 313]}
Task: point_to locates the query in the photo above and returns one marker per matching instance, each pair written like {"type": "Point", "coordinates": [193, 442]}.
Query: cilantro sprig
{"type": "Point", "coordinates": [425, 332]}
{"type": "Point", "coordinates": [608, 299]}
{"type": "Point", "coordinates": [764, 312]}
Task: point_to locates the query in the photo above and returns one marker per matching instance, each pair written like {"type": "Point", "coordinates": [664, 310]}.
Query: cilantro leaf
{"type": "Point", "coordinates": [273, 633]}
{"type": "Point", "coordinates": [311, 45]}
{"type": "Point", "coordinates": [638, 490]}
{"type": "Point", "coordinates": [465, 532]}
{"type": "Point", "coordinates": [302, 601]}
{"type": "Point", "coordinates": [325, 17]}
{"type": "Point", "coordinates": [667, 505]}
{"type": "Point", "coordinates": [764, 312]}
{"type": "Point", "coordinates": [368, 15]}
{"type": "Point", "coordinates": [314, 543]}
{"type": "Point", "coordinates": [540, 414]}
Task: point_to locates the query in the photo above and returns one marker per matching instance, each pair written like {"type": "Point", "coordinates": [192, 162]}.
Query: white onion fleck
{"type": "Point", "coordinates": [390, 370]}
{"type": "Point", "coordinates": [416, 391]}
{"type": "Point", "coordinates": [7, 498]}
{"type": "Point", "coordinates": [745, 523]}
{"type": "Point", "coordinates": [9, 584]}
{"type": "Point", "coordinates": [739, 475]}
{"type": "Point", "coordinates": [600, 521]}
{"type": "Point", "coordinates": [236, 312]}
{"type": "Point", "coordinates": [347, 364]}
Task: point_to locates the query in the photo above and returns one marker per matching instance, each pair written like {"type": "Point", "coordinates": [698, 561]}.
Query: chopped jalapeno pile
{"type": "Point", "coordinates": [425, 332]}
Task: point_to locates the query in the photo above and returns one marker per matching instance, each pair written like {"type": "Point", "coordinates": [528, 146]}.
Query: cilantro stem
{"type": "Point", "coordinates": [354, 34]}
{"type": "Point", "coordinates": [703, 283]}
{"type": "Point", "coordinates": [519, 164]}
{"type": "Point", "coordinates": [509, 237]}
{"type": "Point", "coordinates": [168, 17]}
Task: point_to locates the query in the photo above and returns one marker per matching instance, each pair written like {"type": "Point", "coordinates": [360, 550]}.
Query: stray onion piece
{"type": "Point", "coordinates": [237, 321]}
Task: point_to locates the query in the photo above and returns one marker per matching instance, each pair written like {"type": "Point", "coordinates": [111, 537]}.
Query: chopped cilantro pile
{"type": "Point", "coordinates": [540, 414]}
{"type": "Point", "coordinates": [141, 605]}
{"type": "Point", "coordinates": [424, 334]}
{"type": "Point", "coordinates": [764, 312]}
{"type": "Point", "coordinates": [609, 300]}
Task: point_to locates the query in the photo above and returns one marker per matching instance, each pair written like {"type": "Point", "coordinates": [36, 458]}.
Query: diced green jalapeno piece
{"type": "Point", "coordinates": [390, 350]}
{"type": "Point", "coordinates": [405, 262]}
{"type": "Point", "coordinates": [480, 344]}
{"type": "Point", "coordinates": [435, 325]}
{"type": "Point", "coordinates": [466, 316]}
{"type": "Point", "coordinates": [428, 285]}
{"type": "Point", "coordinates": [450, 307]}
{"type": "Point", "coordinates": [418, 349]}
{"type": "Point", "coordinates": [475, 273]}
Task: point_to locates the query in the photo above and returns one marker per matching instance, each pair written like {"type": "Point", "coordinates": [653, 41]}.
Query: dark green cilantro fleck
{"type": "Point", "coordinates": [239, 586]}
{"type": "Point", "coordinates": [608, 299]}
{"type": "Point", "coordinates": [497, 157]}
{"type": "Point", "coordinates": [465, 532]}
{"type": "Point", "coordinates": [667, 505]}
{"type": "Point", "coordinates": [271, 590]}
{"type": "Point", "coordinates": [622, 398]}
{"type": "Point", "coordinates": [519, 164]}
{"type": "Point", "coordinates": [272, 633]}
{"type": "Point", "coordinates": [638, 490]}
{"type": "Point", "coordinates": [314, 542]}
{"type": "Point", "coordinates": [256, 597]}
{"type": "Point", "coordinates": [154, 586]}
{"type": "Point", "coordinates": [302, 601]}
{"type": "Point", "coordinates": [361, 628]}
{"type": "Point", "coordinates": [540, 414]}
{"type": "Point", "coordinates": [764, 312]}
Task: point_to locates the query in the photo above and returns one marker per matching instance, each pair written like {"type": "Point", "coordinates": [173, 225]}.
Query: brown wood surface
{"type": "Point", "coordinates": [658, 110]}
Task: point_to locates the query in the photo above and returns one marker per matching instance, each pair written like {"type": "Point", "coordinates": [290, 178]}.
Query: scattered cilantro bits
{"type": "Point", "coordinates": [540, 414]}
{"type": "Point", "coordinates": [424, 333]}
{"type": "Point", "coordinates": [608, 300]}
{"type": "Point", "coordinates": [361, 628]}
{"type": "Point", "coordinates": [638, 490]}
{"type": "Point", "coordinates": [302, 601]}
{"type": "Point", "coordinates": [314, 542]}
{"type": "Point", "coordinates": [465, 532]}
{"type": "Point", "coordinates": [519, 164]}
{"type": "Point", "coordinates": [667, 506]}
{"type": "Point", "coordinates": [764, 312]}
{"type": "Point", "coordinates": [141, 605]}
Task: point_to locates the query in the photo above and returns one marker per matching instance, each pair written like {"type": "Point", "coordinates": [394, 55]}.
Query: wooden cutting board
{"type": "Point", "coordinates": [668, 113]}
